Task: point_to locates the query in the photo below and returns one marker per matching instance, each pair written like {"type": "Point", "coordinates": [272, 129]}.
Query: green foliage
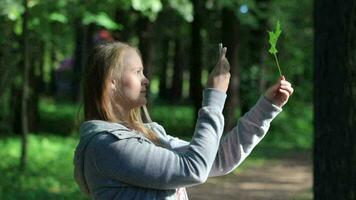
{"type": "Point", "coordinates": [292, 129]}
{"type": "Point", "coordinates": [149, 8]}
{"type": "Point", "coordinates": [184, 8]}
{"type": "Point", "coordinates": [58, 17]}
{"type": "Point", "coordinates": [177, 120]}
{"type": "Point", "coordinates": [58, 118]}
{"type": "Point", "coordinates": [11, 9]}
{"type": "Point", "coordinates": [101, 19]}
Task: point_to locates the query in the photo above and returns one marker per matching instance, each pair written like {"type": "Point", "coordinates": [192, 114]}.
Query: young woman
{"type": "Point", "coordinates": [121, 157]}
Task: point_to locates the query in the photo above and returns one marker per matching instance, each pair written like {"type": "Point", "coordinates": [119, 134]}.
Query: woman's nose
{"type": "Point", "coordinates": [146, 81]}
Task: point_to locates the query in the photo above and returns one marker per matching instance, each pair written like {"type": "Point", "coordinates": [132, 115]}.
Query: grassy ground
{"type": "Point", "coordinates": [49, 171]}
{"type": "Point", "coordinates": [50, 168]}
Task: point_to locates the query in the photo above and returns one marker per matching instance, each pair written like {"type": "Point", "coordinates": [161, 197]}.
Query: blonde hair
{"type": "Point", "coordinates": [105, 60]}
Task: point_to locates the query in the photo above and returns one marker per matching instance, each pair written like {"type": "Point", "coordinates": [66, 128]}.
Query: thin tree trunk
{"type": "Point", "coordinates": [259, 35]}
{"type": "Point", "coordinates": [53, 59]}
{"type": "Point", "coordinates": [177, 82]}
{"type": "Point", "coordinates": [145, 32]}
{"type": "Point", "coordinates": [230, 34]}
{"type": "Point", "coordinates": [33, 95]}
{"type": "Point", "coordinates": [334, 100]}
{"type": "Point", "coordinates": [195, 90]}
{"type": "Point", "coordinates": [80, 44]}
{"type": "Point", "coordinates": [25, 89]}
{"type": "Point", "coordinates": [163, 69]}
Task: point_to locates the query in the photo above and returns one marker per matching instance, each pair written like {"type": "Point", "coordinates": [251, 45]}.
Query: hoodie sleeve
{"type": "Point", "coordinates": [236, 145]}
{"type": "Point", "coordinates": [141, 163]}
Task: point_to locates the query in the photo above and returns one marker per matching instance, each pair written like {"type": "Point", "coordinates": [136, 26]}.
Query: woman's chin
{"type": "Point", "coordinates": [143, 101]}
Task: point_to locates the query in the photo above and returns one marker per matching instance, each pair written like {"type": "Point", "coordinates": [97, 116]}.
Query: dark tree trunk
{"type": "Point", "coordinates": [177, 82]}
{"type": "Point", "coordinates": [163, 91]}
{"type": "Point", "coordinates": [83, 45]}
{"type": "Point", "coordinates": [230, 34]}
{"type": "Point", "coordinates": [33, 96]}
{"type": "Point", "coordinates": [25, 89]}
{"type": "Point", "coordinates": [41, 81]}
{"type": "Point", "coordinates": [79, 61]}
{"type": "Point", "coordinates": [195, 90]}
{"type": "Point", "coordinates": [334, 100]}
{"type": "Point", "coordinates": [145, 33]}
{"type": "Point", "coordinates": [15, 104]}
{"type": "Point", "coordinates": [53, 59]}
{"type": "Point", "coordinates": [122, 17]}
{"type": "Point", "coordinates": [260, 35]}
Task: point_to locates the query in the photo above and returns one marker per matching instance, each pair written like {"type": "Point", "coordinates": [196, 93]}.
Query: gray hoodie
{"type": "Point", "coordinates": [114, 162]}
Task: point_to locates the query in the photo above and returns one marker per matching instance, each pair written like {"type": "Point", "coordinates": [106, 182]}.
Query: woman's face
{"type": "Point", "coordinates": [134, 84]}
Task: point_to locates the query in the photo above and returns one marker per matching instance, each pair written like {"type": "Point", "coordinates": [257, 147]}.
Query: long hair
{"type": "Point", "coordinates": [105, 60]}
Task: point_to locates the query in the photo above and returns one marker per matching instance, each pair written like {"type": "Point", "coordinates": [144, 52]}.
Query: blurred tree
{"type": "Point", "coordinates": [230, 38]}
{"type": "Point", "coordinates": [173, 55]}
{"type": "Point", "coordinates": [178, 66]}
{"type": "Point", "coordinates": [334, 100]}
{"type": "Point", "coordinates": [196, 56]}
{"type": "Point", "coordinates": [25, 87]}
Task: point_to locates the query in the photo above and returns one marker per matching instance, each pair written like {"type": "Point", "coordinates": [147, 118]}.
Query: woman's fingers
{"type": "Point", "coordinates": [285, 94]}
{"type": "Point", "coordinates": [220, 50]}
{"type": "Point", "coordinates": [223, 65]}
{"type": "Point", "coordinates": [223, 55]}
{"type": "Point", "coordinates": [288, 88]}
{"type": "Point", "coordinates": [283, 82]}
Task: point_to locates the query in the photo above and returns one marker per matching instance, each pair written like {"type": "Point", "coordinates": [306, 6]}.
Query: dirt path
{"type": "Point", "coordinates": [287, 178]}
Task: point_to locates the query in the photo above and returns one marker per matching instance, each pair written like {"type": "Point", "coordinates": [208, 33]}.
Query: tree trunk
{"type": "Point", "coordinates": [145, 32]}
{"type": "Point", "coordinates": [230, 34]}
{"type": "Point", "coordinates": [195, 90]}
{"type": "Point", "coordinates": [32, 108]}
{"type": "Point", "coordinates": [79, 61]}
{"type": "Point", "coordinates": [334, 100]}
{"type": "Point", "coordinates": [260, 34]}
{"type": "Point", "coordinates": [122, 17]}
{"type": "Point", "coordinates": [25, 88]}
{"type": "Point", "coordinates": [163, 91]}
{"type": "Point", "coordinates": [177, 82]}
{"type": "Point", "coordinates": [52, 61]}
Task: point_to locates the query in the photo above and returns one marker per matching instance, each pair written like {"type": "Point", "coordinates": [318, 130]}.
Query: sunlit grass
{"type": "Point", "coordinates": [49, 169]}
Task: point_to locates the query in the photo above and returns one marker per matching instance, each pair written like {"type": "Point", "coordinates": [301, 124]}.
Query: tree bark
{"type": "Point", "coordinates": [230, 34]}
{"type": "Point", "coordinates": [145, 33]}
{"type": "Point", "coordinates": [163, 91]}
{"type": "Point", "coordinates": [261, 44]}
{"type": "Point", "coordinates": [334, 100]}
{"type": "Point", "coordinates": [177, 82]}
{"type": "Point", "coordinates": [195, 90]}
{"type": "Point", "coordinates": [79, 57]}
{"type": "Point", "coordinates": [25, 89]}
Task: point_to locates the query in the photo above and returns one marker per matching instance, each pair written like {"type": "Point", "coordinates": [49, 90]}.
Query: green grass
{"type": "Point", "coordinates": [49, 171]}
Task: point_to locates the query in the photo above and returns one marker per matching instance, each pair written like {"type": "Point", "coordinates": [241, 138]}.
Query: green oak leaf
{"type": "Point", "coordinates": [273, 37]}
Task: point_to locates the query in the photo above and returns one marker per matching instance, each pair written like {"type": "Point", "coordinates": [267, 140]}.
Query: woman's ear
{"type": "Point", "coordinates": [113, 85]}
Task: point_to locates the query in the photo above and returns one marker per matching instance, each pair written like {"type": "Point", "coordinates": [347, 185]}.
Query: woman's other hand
{"type": "Point", "coordinates": [279, 93]}
{"type": "Point", "coordinates": [219, 77]}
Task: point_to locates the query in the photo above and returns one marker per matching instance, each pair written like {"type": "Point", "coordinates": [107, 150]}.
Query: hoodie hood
{"type": "Point", "coordinates": [87, 131]}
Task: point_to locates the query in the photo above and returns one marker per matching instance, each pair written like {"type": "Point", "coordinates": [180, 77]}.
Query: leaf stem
{"type": "Point", "coordinates": [279, 69]}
